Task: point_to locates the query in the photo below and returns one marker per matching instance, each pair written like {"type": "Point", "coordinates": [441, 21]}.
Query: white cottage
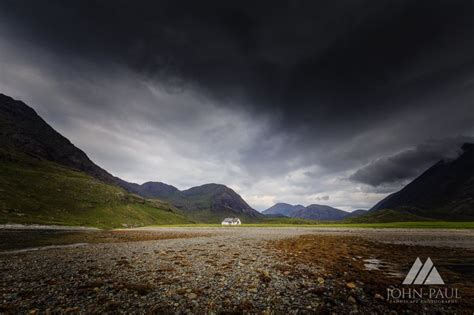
{"type": "Point", "coordinates": [231, 221]}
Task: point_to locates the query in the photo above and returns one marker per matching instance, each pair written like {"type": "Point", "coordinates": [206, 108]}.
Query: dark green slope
{"type": "Point", "coordinates": [23, 130]}
{"type": "Point", "coordinates": [386, 215]}
{"type": "Point", "coordinates": [444, 192]}
{"type": "Point", "coordinates": [45, 179]}
{"type": "Point", "coordinates": [39, 191]}
{"type": "Point", "coordinates": [28, 141]}
{"type": "Point", "coordinates": [281, 208]}
{"type": "Point", "coordinates": [320, 212]}
{"type": "Point", "coordinates": [215, 201]}
{"type": "Point", "coordinates": [207, 203]}
{"type": "Point", "coordinates": [312, 212]}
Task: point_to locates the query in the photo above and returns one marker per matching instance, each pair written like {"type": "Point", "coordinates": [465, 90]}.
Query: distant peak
{"type": "Point", "coordinates": [155, 184]}
{"type": "Point", "coordinates": [317, 205]}
{"type": "Point", "coordinates": [209, 188]}
{"type": "Point", "coordinates": [213, 185]}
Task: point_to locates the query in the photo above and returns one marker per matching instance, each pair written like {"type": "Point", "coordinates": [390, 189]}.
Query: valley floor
{"type": "Point", "coordinates": [217, 270]}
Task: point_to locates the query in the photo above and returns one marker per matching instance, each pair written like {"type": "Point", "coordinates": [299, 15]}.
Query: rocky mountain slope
{"type": "Point", "coordinates": [151, 189]}
{"type": "Point", "coordinates": [28, 141]}
{"type": "Point", "coordinates": [24, 131]}
{"type": "Point", "coordinates": [281, 208]}
{"type": "Point", "coordinates": [320, 212]}
{"type": "Point", "coordinates": [445, 191]}
{"type": "Point", "coordinates": [311, 212]}
{"type": "Point", "coordinates": [357, 213]}
{"type": "Point", "coordinates": [209, 202]}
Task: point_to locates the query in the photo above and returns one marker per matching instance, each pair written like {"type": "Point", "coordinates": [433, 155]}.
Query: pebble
{"type": "Point", "coordinates": [231, 271]}
{"type": "Point", "coordinates": [351, 285]}
{"type": "Point", "coordinates": [192, 296]}
{"type": "Point", "coordinates": [378, 297]}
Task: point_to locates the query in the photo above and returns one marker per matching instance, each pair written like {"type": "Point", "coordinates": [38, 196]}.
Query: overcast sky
{"type": "Point", "coordinates": [328, 102]}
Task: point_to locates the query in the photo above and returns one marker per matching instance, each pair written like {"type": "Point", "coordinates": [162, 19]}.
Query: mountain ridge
{"type": "Point", "coordinates": [311, 212]}
{"type": "Point", "coordinates": [321, 212]}
{"type": "Point", "coordinates": [445, 190]}
{"type": "Point", "coordinates": [282, 209]}
{"type": "Point", "coordinates": [24, 132]}
{"type": "Point", "coordinates": [211, 196]}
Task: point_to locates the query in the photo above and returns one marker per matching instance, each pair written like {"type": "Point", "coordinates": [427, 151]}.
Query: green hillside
{"type": "Point", "coordinates": [42, 192]}
{"type": "Point", "coordinates": [216, 216]}
{"type": "Point", "coordinates": [386, 215]}
{"type": "Point", "coordinates": [208, 203]}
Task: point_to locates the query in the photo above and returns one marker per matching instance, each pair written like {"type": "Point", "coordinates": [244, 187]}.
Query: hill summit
{"type": "Point", "coordinates": [445, 191]}
{"type": "Point", "coordinates": [28, 141]}
{"type": "Point", "coordinates": [311, 212]}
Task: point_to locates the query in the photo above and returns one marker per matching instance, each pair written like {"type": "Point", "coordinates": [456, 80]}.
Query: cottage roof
{"type": "Point", "coordinates": [231, 220]}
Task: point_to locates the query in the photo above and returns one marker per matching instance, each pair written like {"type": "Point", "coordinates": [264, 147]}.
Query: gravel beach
{"type": "Point", "coordinates": [216, 270]}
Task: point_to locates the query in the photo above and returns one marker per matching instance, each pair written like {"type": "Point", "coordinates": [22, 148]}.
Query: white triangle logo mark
{"type": "Point", "coordinates": [423, 273]}
{"type": "Point", "coordinates": [434, 277]}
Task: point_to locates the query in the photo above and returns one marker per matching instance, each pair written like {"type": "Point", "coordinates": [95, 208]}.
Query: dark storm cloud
{"type": "Point", "coordinates": [330, 64]}
{"type": "Point", "coordinates": [260, 91]}
{"type": "Point", "coordinates": [410, 163]}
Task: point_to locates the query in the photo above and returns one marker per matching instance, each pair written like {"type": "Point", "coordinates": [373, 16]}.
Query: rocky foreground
{"type": "Point", "coordinates": [227, 270]}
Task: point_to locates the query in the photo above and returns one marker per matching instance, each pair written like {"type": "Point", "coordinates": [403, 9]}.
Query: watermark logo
{"type": "Point", "coordinates": [423, 284]}
{"type": "Point", "coordinates": [423, 273]}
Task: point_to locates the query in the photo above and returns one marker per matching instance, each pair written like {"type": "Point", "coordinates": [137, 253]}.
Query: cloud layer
{"type": "Point", "coordinates": [405, 165]}
{"type": "Point", "coordinates": [296, 102]}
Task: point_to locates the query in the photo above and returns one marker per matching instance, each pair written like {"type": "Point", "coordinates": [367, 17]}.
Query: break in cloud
{"type": "Point", "coordinates": [295, 102]}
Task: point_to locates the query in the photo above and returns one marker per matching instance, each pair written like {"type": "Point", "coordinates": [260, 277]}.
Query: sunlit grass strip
{"type": "Point", "coordinates": [411, 225]}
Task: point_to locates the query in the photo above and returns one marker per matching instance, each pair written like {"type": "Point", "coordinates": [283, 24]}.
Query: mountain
{"type": "Point", "coordinates": [445, 191]}
{"type": "Point", "coordinates": [282, 209]}
{"type": "Point", "coordinates": [218, 197]}
{"type": "Point", "coordinates": [320, 212]}
{"type": "Point", "coordinates": [43, 192]}
{"type": "Point", "coordinates": [28, 141]}
{"type": "Point", "coordinates": [152, 189]}
{"type": "Point", "coordinates": [45, 179]}
{"type": "Point", "coordinates": [207, 203]}
{"type": "Point", "coordinates": [311, 212]}
{"type": "Point", "coordinates": [357, 213]}
{"type": "Point", "coordinates": [23, 130]}
{"type": "Point", "coordinates": [387, 215]}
